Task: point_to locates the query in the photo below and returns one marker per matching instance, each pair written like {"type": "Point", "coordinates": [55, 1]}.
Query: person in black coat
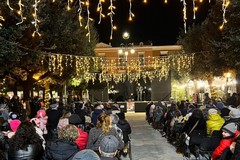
{"type": "Point", "coordinates": [124, 126]}
{"type": "Point", "coordinates": [25, 144]}
{"type": "Point", "coordinates": [236, 154]}
{"type": "Point", "coordinates": [64, 148]}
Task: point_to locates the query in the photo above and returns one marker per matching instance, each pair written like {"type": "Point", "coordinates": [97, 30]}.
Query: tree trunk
{"type": "Point", "coordinates": [27, 87]}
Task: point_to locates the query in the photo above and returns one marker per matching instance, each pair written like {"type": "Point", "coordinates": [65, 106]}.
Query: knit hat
{"type": "Point", "coordinates": [234, 113]}
{"type": "Point", "coordinates": [109, 144]}
{"type": "Point", "coordinates": [114, 118]}
{"type": "Point", "coordinates": [41, 113]}
{"type": "Point", "coordinates": [86, 154]}
{"type": "Point", "coordinates": [75, 119]}
{"type": "Point", "coordinates": [225, 112]}
{"type": "Point", "coordinates": [220, 105]}
{"type": "Point", "coordinates": [212, 111]}
{"type": "Point", "coordinates": [54, 105]}
{"type": "Point", "coordinates": [36, 121]}
{"type": "Point", "coordinates": [13, 116]}
{"type": "Point", "coordinates": [14, 124]}
{"type": "Point", "coordinates": [230, 128]}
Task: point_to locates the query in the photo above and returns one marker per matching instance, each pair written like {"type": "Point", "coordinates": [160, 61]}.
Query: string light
{"type": "Point", "coordinates": [99, 9]}
{"type": "Point", "coordinates": [184, 15]}
{"type": "Point", "coordinates": [1, 19]}
{"type": "Point", "coordinates": [9, 6]}
{"type": "Point", "coordinates": [80, 12]}
{"type": "Point", "coordinates": [68, 6]}
{"type": "Point", "coordinates": [144, 1]}
{"type": "Point", "coordinates": [110, 14]}
{"type": "Point", "coordinates": [165, 1]}
{"type": "Point", "coordinates": [36, 20]}
{"type": "Point", "coordinates": [194, 10]}
{"type": "Point", "coordinates": [20, 12]}
{"type": "Point", "coordinates": [131, 15]}
{"type": "Point", "coordinates": [87, 27]}
{"type": "Point", "coordinates": [225, 4]}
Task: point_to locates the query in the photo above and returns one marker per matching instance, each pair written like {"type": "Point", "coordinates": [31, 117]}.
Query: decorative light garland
{"type": "Point", "coordinates": [80, 12]}
{"type": "Point", "coordinates": [184, 15]}
{"type": "Point", "coordinates": [110, 14]}
{"type": "Point", "coordinates": [110, 68]}
{"type": "Point", "coordinates": [1, 19]}
{"type": "Point", "coordinates": [225, 4]}
{"type": "Point", "coordinates": [131, 15]}
{"type": "Point", "coordinates": [20, 12]}
{"type": "Point", "coordinates": [9, 6]}
{"type": "Point", "coordinates": [87, 27]}
{"type": "Point", "coordinates": [99, 9]}
{"type": "Point", "coordinates": [36, 20]}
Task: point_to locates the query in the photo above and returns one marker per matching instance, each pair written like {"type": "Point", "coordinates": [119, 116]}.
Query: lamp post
{"type": "Point", "coordinates": [126, 48]}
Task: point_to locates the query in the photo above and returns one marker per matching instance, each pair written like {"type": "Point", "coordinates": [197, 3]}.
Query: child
{"type": "Point", "coordinates": [229, 133]}
{"type": "Point", "coordinates": [43, 118]}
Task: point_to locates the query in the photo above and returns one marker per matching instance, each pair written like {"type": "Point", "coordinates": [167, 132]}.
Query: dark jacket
{"type": "Point", "coordinates": [31, 152]}
{"type": "Point", "coordinates": [60, 150]}
{"type": "Point", "coordinates": [126, 129]}
{"type": "Point", "coordinates": [53, 118]}
{"type": "Point", "coordinates": [191, 122]}
{"type": "Point", "coordinates": [95, 114]}
{"type": "Point", "coordinates": [236, 154]}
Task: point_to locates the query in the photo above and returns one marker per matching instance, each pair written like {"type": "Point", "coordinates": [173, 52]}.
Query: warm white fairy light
{"type": "Point", "coordinates": [225, 4]}
{"type": "Point", "coordinates": [194, 9]}
{"type": "Point", "coordinates": [80, 3]}
{"type": "Point", "coordinates": [131, 15]}
{"type": "Point", "coordinates": [9, 6]}
{"type": "Point", "coordinates": [87, 27]}
{"type": "Point", "coordinates": [110, 14]}
{"type": "Point", "coordinates": [20, 12]}
{"type": "Point", "coordinates": [36, 20]}
{"type": "Point", "coordinates": [184, 15]}
{"type": "Point", "coordinates": [68, 6]}
{"type": "Point", "coordinates": [99, 9]}
{"type": "Point", "coordinates": [1, 19]}
{"type": "Point", "coordinates": [165, 1]}
{"type": "Point", "coordinates": [144, 1]}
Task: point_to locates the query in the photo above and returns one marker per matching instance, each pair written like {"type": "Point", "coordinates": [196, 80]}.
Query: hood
{"type": "Point", "coordinates": [215, 117]}
{"type": "Point", "coordinates": [97, 111]}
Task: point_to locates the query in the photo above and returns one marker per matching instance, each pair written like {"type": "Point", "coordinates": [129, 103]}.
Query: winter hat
{"type": "Point", "coordinates": [121, 115]}
{"type": "Point", "coordinates": [75, 119]}
{"type": "Point", "coordinates": [54, 105]}
{"type": "Point", "coordinates": [86, 154]}
{"type": "Point", "coordinates": [109, 144]}
{"type": "Point", "coordinates": [14, 124]}
{"type": "Point", "coordinates": [212, 111]}
{"type": "Point", "coordinates": [13, 116]}
{"type": "Point", "coordinates": [36, 121]}
{"type": "Point", "coordinates": [234, 113]}
{"type": "Point", "coordinates": [225, 112]}
{"type": "Point", "coordinates": [41, 113]}
{"type": "Point", "coordinates": [114, 118]}
{"type": "Point", "coordinates": [220, 105]}
{"type": "Point", "coordinates": [230, 128]}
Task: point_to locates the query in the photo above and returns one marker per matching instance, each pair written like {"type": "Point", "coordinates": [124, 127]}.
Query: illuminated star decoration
{"type": "Point", "coordinates": [36, 20]}
{"type": "Point", "coordinates": [20, 12]}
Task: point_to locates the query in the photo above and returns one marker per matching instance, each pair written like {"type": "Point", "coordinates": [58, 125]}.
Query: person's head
{"type": "Point", "coordinates": [104, 122]}
{"type": "Point", "coordinates": [25, 135]}
{"type": "Point", "coordinates": [234, 113]}
{"type": "Point", "coordinates": [108, 146]}
{"type": "Point", "coordinates": [212, 111]}
{"type": "Point", "coordinates": [35, 122]}
{"type": "Point", "coordinates": [114, 118]}
{"type": "Point", "coordinates": [229, 130]}
{"type": "Point", "coordinates": [75, 119]}
{"type": "Point", "coordinates": [121, 115]}
{"type": "Point", "coordinates": [197, 113]}
{"type": "Point", "coordinates": [69, 133]}
{"type": "Point", "coordinates": [41, 113]}
{"type": "Point", "coordinates": [86, 154]}
{"type": "Point", "coordinates": [13, 116]}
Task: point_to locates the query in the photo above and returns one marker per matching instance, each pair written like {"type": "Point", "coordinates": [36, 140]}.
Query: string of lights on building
{"type": "Point", "coordinates": [108, 69]}
{"type": "Point", "coordinates": [110, 13]}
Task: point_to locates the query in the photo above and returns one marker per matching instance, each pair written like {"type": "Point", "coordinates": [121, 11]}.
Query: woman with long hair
{"type": "Point", "coordinates": [25, 144]}
{"type": "Point", "coordinates": [103, 128]}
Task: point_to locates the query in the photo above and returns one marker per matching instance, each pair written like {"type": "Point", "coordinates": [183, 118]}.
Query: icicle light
{"type": "Point", "coordinates": [131, 15]}
{"type": "Point", "coordinates": [99, 9]}
{"type": "Point", "coordinates": [80, 3]}
{"type": "Point", "coordinates": [194, 9]}
{"type": "Point", "coordinates": [184, 15]}
{"type": "Point", "coordinates": [36, 20]}
{"type": "Point", "coordinates": [87, 27]}
{"type": "Point", "coordinates": [9, 6]}
{"type": "Point", "coordinates": [110, 14]}
{"type": "Point", "coordinates": [20, 12]}
{"type": "Point", "coordinates": [225, 4]}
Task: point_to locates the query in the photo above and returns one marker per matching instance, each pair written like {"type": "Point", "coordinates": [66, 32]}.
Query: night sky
{"type": "Point", "coordinates": [154, 22]}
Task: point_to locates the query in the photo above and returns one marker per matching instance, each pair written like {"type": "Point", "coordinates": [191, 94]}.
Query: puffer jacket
{"type": "Point", "coordinates": [82, 139]}
{"type": "Point", "coordinates": [224, 144]}
{"type": "Point", "coordinates": [60, 150]}
{"type": "Point", "coordinates": [126, 129]}
{"type": "Point", "coordinates": [214, 122]}
{"type": "Point", "coordinates": [32, 152]}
